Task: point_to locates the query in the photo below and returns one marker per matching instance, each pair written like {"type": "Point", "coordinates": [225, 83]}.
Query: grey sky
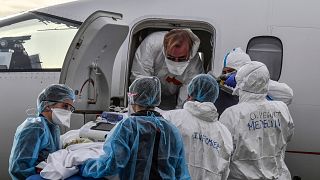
{"type": "Point", "coordinates": [10, 7]}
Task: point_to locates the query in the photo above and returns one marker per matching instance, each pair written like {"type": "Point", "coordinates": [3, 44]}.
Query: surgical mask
{"type": "Point", "coordinates": [176, 68]}
{"type": "Point", "coordinates": [61, 116]}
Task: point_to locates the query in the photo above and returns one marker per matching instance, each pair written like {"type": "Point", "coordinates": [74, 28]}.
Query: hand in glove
{"type": "Point", "coordinates": [231, 81]}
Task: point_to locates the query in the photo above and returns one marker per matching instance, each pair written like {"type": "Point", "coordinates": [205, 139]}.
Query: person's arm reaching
{"type": "Point", "coordinates": [146, 54]}
{"type": "Point", "coordinates": [117, 154]}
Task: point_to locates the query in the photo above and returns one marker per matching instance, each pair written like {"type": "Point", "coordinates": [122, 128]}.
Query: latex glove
{"type": "Point", "coordinates": [231, 80]}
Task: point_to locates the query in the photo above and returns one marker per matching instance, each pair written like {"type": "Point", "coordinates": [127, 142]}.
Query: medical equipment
{"type": "Point", "coordinates": [112, 117]}
{"type": "Point", "coordinates": [99, 129]}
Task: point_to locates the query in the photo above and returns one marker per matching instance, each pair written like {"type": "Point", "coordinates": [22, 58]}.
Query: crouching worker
{"type": "Point", "coordinates": [207, 142]}
{"type": "Point", "coordinates": [36, 137]}
{"type": "Point", "coordinates": [143, 146]}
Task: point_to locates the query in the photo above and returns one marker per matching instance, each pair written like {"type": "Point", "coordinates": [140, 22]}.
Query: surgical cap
{"type": "Point", "coordinates": [53, 94]}
{"type": "Point", "coordinates": [145, 91]}
{"type": "Point", "coordinates": [236, 59]}
{"type": "Point", "coordinates": [253, 77]}
{"type": "Point", "coordinates": [203, 88]}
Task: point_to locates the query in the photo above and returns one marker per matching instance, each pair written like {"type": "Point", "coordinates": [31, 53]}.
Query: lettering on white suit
{"type": "Point", "coordinates": [205, 139]}
{"type": "Point", "coordinates": [262, 120]}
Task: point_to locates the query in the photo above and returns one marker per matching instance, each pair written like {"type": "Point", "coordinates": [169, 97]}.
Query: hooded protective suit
{"type": "Point", "coordinates": [149, 60]}
{"type": "Point", "coordinates": [276, 91]}
{"type": "Point", "coordinates": [260, 128]}
{"type": "Point", "coordinates": [207, 142]}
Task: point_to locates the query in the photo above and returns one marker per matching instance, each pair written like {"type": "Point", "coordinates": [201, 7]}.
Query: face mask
{"type": "Point", "coordinates": [61, 116]}
{"type": "Point", "coordinates": [176, 68]}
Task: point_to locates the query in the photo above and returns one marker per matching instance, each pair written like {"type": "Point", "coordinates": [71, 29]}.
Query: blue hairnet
{"type": "Point", "coordinates": [203, 88]}
{"type": "Point", "coordinates": [145, 91]}
{"type": "Point", "coordinates": [53, 94]}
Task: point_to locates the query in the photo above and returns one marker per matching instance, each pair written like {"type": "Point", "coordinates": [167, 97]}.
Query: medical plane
{"type": "Point", "coordinates": [89, 45]}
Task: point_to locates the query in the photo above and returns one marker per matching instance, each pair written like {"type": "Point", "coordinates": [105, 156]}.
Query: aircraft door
{"type": "Point", "coordinates": [88, 65]}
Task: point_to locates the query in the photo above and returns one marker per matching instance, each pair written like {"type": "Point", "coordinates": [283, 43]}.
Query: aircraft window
{"type": "Point", "coordinates": [269, 50]}
{"type": "Point", "coordinates": [34, 42]}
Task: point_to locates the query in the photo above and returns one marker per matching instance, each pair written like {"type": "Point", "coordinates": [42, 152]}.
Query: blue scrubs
{"type": "Point", "coordinates": [34, 140]}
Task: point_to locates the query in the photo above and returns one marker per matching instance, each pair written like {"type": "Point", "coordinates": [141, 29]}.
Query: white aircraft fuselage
{"type": "Point", "coordinates": [289, 29]}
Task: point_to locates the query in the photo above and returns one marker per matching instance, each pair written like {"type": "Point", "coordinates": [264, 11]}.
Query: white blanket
{"type": "Point", "coordinates": [63, 163]}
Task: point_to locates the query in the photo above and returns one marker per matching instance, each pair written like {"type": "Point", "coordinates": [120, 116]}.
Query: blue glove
{"type": "Point", "coordinates": [231, 80]}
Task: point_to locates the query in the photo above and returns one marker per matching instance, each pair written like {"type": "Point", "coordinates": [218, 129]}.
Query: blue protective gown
{"type": "Point", "coordinates": [34, 139]}
{"type": "Point", "coordinates": [129, 151]}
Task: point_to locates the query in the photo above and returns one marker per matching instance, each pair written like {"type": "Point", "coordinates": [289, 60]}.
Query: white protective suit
{"type": "Point", "coordinates": [149, 60]}
{"type": "Point", "coordinates": [276, 90]}
{"type": "Point", "coordinates": [207, 142]}
{"type": "Point", "coordinates": [260, 128]}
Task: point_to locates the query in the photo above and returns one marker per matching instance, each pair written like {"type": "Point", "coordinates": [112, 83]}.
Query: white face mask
{"type": "Point", "coordinates": [61, 116]}
{"type": "Point", "coordinates": [176, 68]}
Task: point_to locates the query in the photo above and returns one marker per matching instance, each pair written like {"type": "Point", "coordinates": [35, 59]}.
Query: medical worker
{"type": "Point", "coordinates": [207, 142]}
{"type": "Point", "coordinates": [237, 58]}
{"type": "Point", "coordinates": [233, 61]}
{"type": "Point", "coordinates": [36, 137]}
{"type": "Point", "coordinates": [143, 146]}
{"type": "Point", "coordinates": [261, 129]}
{"type": "Point", "coordinates": [173, 58]}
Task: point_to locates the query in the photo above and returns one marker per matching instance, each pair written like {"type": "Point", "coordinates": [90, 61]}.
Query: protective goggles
{"type": "Point", "coordinates": [178, 59]}
{"type": "Point", "coordinates": [66, 106]}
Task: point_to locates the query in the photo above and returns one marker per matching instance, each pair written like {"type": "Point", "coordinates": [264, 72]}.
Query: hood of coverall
{"type": "Point", "coordinates": [253, 77]}
{"type": "Point", "coordinates": [236, 59]}
{"type": "Point", "coordinates": [205, 111]}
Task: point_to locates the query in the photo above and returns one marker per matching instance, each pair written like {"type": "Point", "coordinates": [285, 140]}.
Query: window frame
{"type": "Point", "coordinates": [26, 16]}
{"type": "Point", "coordinates": [278, 42]}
